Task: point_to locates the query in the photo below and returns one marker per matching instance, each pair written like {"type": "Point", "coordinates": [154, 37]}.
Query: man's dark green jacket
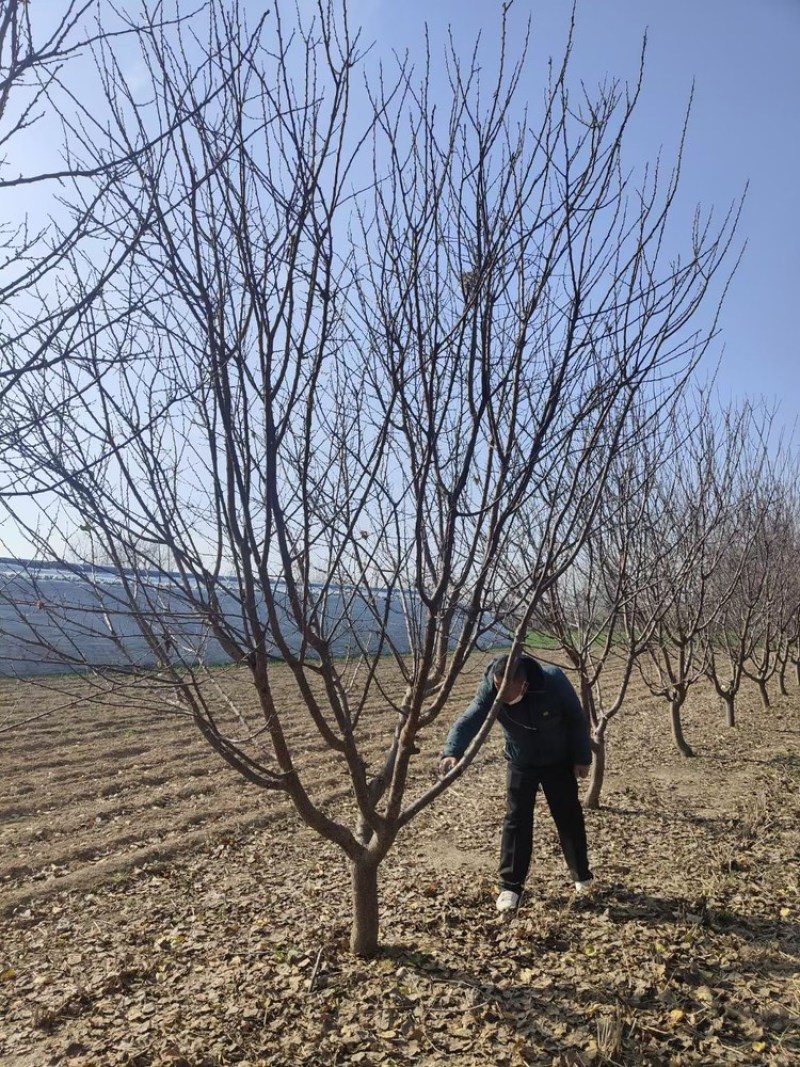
{"type": "Point", "coordinates": [546, 727]}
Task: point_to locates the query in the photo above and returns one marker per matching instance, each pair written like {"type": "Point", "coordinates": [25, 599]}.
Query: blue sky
{"type": "Point", "coordinates": [743, 57]}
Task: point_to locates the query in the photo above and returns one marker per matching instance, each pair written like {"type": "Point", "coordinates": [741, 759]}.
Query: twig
{"type": "Point", "coordinates": [312, 982]}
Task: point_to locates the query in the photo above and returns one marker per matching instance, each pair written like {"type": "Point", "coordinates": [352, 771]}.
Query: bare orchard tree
{"type": "Point", "coordinates": [357, 331]}
{"type": "Point", "coordinates": [786, 477]}
{"type": "Point", "coordinates": [602, 611]}
{"type": "Point", "coordinates": [684, 526]}
{"type": "Point", "coordinates": [774, 562]}
{"type": "Point", "coordinates": [740, 581]}
{"type": "Point", "coordinates": [789, 653]}
{"type": "Point", "coordinates": [793, 644]}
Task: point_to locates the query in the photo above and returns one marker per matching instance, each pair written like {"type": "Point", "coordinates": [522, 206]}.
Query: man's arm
{"type": "Point", "coordinates": [467, 725]}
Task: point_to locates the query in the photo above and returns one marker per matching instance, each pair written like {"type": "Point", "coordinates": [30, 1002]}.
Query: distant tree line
{"type": "Point", "coordinates": [689, 572]}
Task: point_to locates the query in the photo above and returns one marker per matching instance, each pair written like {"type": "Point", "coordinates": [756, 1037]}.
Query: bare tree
{"type": "Point", "coordinates": [685, 525]}
{"type": "Point", "coordinates": [739, 582]}
{"type": "Point", "coordinates": [774, 565]}
{"type": "Point", "coordinates": [602, 611]}
{"type": "Point", "coordinates": [789, 584]}
{"type": "Point", "coordinates": [793, 645]}
{"type": "Point", "coordinates": [355, 333]}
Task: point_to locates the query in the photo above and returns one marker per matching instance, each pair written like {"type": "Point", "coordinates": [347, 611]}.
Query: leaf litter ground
{"type": "Point", "coordinates": [158, 911]}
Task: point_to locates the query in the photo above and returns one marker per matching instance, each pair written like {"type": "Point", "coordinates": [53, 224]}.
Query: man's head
{"type": "Point", "coordinates": [516, 687]}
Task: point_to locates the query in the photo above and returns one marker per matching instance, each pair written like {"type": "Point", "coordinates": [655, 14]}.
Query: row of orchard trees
{"type": "Point", "coordinates": [305, 340]}
{"type": "Point", "coordinates": [689, 571]}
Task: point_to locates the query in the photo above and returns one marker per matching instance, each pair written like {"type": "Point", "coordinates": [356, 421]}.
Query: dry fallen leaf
{"type": "Point", "coordinates": [453, 985]}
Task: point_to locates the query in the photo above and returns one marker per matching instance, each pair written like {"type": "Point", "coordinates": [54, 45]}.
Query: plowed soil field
{"type": "Point", "coordinates": [157, 909]}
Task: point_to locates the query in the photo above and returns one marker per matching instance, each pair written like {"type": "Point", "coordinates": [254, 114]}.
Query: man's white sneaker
{"type": "Point", "coordinates": [583, 889]}
{"type": "Point", "coordinates": [507, 901]}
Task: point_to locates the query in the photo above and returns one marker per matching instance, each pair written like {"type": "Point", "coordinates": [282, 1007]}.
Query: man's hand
{"type": "Point", "coordinates": [581, 771]}
{"type": "Point", "coordinates": [446, 764]}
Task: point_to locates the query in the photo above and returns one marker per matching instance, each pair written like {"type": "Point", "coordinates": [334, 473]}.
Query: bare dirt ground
{"type": "Point", "coordinates": [156, 910]}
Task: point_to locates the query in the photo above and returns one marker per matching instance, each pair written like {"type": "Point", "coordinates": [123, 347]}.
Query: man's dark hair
{"type": "Point", "coordinates": [520, 673]}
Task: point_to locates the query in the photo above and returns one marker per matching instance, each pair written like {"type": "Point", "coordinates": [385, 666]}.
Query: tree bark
{"type": "Point", "coordinates": [677, 729]}
{"type": "Point", "coordinates": [730, 709]}
{"type": "Point", "coordinates": [364, 932]}
{"type": "Point", "coordinates": [782, 681]}
{"type": "Point", "coordinates": [592, 801]}
{"type": "Point", "coordinates": [762, 688]}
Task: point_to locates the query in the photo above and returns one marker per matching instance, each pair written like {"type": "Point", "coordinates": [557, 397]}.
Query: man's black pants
{"type": "Point", "coordinates": [561, 792]}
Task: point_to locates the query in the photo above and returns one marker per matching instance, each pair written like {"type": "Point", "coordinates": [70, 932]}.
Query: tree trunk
{"type": "Point", "coordinates": [677, 729]}
{"type": "Point", "coordinates": [730, 709]}
{"type": "Point", "coordinates": [762, 688]}
{"type": "Point", "coordinates": [782, 680]}
{"type": "Point", "coordinates": [592, 801]}
{"type": "Point", "coordinates": [364, 932]}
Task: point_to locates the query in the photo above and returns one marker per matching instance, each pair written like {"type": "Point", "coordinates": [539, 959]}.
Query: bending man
{"type": "Point", "coordinates": [547, 745]}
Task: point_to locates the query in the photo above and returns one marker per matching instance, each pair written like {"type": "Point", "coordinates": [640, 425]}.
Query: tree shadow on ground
{"type": "Point", "coordinates": [709, 819]}
{"type": "Point", "coordinates": [549, 1013]}
{"type": "Point", "coordinates": [624, 905]}
{"type": "Point", "coordinates": [781, 759]}
{"type": "Point", "coordinates": [520, 982]}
